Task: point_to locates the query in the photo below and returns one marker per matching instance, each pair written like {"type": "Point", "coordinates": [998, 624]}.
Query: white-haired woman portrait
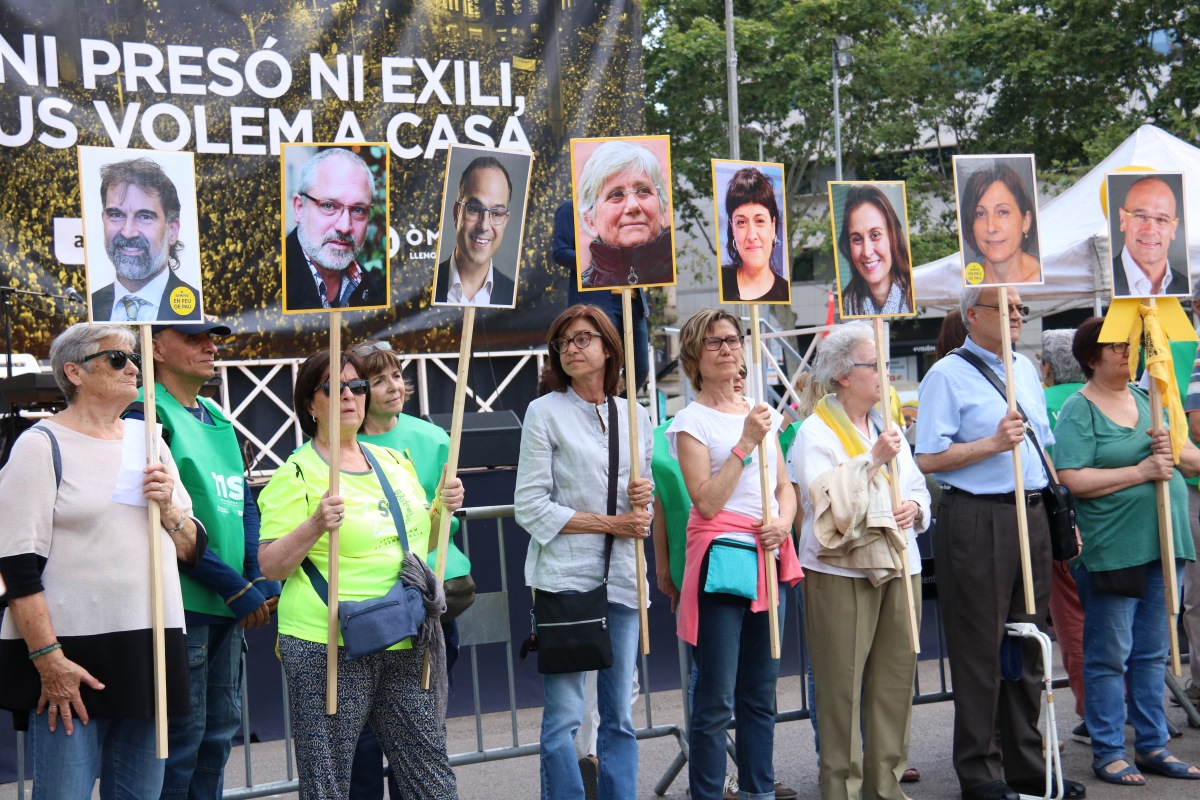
{"type": "Point", "coordinates": [851, 553]}
{"type": "Point", "coordinates": [624, 206]}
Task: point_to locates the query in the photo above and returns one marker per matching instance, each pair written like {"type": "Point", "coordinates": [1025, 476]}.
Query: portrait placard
{"type": "Point", "coordinates": [998, 220]}
{"type": "Point", "coordinates": [871, 253]}
{"type": "Point", "coordinates": [484, 200]}
{"type": "Point", "coordinates": [140, 235]}
{"type": "Point", "coordinates": [334, 212]}
{"type": "Point", "coordinates": [752, 242]}
{"type": "Point", "coordinates": [1147, 225]}
{"type": "Point", "coordinates": [624, 233]}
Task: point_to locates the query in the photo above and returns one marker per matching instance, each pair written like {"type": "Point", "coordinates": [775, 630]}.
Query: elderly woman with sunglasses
{"type": "Point", "coordinates": [723, 608]}
{"type": "Point", "coordinates": [69, 654]}
{"type": "Point", "coordinates": [381, 689]}
{"type": "Point", "coordinates": [1107, 457]}
{"type": "Point", "coordinates": [561, 499]}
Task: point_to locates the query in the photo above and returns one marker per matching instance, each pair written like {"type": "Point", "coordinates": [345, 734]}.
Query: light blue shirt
{"type": "Point", "coordinates": [958, 405]}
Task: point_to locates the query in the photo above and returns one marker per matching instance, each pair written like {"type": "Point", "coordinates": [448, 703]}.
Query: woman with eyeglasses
{"type": "Point", "coordinates": [561, 499]}
{"type": "Point", "coordinates": [381, 689]}
{"type": "Point", "coordinates": [723, 602]}
{"type": "Point", "coordinates": [1108, 459]}
{"type": "Point", "coordinates": [998, 225]}
{"type": "Point", "coordinates": [851, 551]}
{"type": "Point", "coordinates": [76, 643]}
{"type": "Point", "coordinates": [752, 236]}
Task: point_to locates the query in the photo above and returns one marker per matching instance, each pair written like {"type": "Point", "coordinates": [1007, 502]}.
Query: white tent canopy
{"type": "Point", "coordinates": [1074, 231]}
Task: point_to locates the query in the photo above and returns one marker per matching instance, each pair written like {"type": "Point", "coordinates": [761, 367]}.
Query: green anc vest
{"type": "Point", "coordinates": [210, 465]}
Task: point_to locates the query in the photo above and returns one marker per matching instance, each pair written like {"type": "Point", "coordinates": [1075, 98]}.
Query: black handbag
{"type": "Point", "coordinates": [1057, 499]}
{"type": "Point", "coordinates": [374, 625]}
{"type": "Point", "coordinates": [570, 629]}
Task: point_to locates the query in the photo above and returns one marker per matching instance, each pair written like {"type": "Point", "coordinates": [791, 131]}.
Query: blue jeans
{"type": "Point", "coordinates": [118, 751]}
{"type": "Point", "coordinates": [1125, 643]}
{"type": "Point", "coordinates": [616, 746]}
{"type": "Point", "coordinates": [199, 744]}
{"type": "Point", "coordinates": [735, 675]}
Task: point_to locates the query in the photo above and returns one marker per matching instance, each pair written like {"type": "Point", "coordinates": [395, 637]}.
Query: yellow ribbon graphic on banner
{"type": "Point", "coordinates": [1155, 327]}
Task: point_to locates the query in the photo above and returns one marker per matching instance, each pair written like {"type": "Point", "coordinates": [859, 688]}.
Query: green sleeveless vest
{"type": "Point", "coordinates": [210, 465]}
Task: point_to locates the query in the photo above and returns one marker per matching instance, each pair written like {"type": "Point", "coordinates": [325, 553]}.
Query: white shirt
{"type": "Point", "coordinates": [1139, 284]}
{"type": "Point", "coordinates": [150, 295]}
{"type": "Point", "coordinates": [455, 295]}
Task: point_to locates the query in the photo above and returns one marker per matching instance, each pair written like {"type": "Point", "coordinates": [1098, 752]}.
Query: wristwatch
{"type": "Point", "coordinates": [745, 459]}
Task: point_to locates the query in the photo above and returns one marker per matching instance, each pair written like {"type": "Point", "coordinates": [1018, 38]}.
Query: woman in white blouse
{"type": "Point", "coordinates": [561, 499]}
{"type": "Point", "coordinates": [854, 607]}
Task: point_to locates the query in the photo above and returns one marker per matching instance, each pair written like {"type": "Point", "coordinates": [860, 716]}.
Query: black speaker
{"type": "Point", "coordinates": [489, 439]}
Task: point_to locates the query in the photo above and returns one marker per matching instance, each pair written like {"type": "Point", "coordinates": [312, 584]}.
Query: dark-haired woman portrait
{"type": "Point", "coordinates": [753, 233]}
{"type": "Point", "coordinates": [873, 242]}
{"type": "Point", "coordinates": [561, 499]}
{"type": "Point", "coordinates": [998, 223]}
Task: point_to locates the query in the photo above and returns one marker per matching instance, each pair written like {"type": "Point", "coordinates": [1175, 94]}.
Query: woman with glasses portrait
{"type": "Point", "coordinates": [562, 500]}
{"type": "Point", "coordinates": [76, 643]}
{"type": "Point", "coordinates": [723, 608]}
{"type": "Point", "coordinates": [381, 689]}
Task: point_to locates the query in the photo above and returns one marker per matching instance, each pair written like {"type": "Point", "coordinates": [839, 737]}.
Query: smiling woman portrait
{"type": "Point", "coordinates": [873, 242]}
{"type": "Point", "coordinates": [998, 222]}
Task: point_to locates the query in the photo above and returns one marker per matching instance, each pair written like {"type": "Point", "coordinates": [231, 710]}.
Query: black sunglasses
{"type": "Point", "coordinates": [356, 386]}
{"type": "Point", "coordinates": [117, 359]}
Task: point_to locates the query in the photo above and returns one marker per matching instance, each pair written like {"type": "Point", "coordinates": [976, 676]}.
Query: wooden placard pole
{"type": "Point", "coordinates": [157, 615]}
{"type": "Point", "coordinates": [885, 401]}
{"type": "Point", "coordinates": [635, 463]}
{"type": "Point", "coordinates": [765, 482]}
{"type": "Point", "coordinates": [456, 420]}
{"type": "Point", "coordinates": [1018, 470]}
{"type": "Point", "coordinates": [335, 461]}
{"type": "Point", "coordinates": [1166, 539]}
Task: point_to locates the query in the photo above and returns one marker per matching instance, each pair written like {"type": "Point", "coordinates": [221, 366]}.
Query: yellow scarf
{"type": "Point", "coordinates": [829, 410]}
{"type": "Point", "coordinates": [1147, 329]}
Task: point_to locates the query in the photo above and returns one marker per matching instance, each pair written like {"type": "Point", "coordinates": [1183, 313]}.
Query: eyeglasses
{"type": "Point", "coordinates": [640, 193]}
{"type": "Point", "coordinates": [365, 350]}
{"type": "Point", "coordinates": [332, 208]}
{"type": "Point", "coordinates": [357, 386]}
{"type": "Point", "coordinates": [873, 366]}
{"type": "Point", "coordinates": [715, 342]}
{"type": "Point", "coordinates": [1022, 310]}
{"type": "Point", "coordinates": [1145, 219]}
{"type": "Point", "coordinates": [117, 359]}
{"type": "Point", "coordinates": [580, 340]}
{"type": "Point", "coordinates": [473, 211]}
{"type": "Point", "coordinates": [1120, 348]}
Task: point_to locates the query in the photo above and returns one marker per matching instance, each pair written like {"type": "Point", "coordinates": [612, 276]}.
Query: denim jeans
{"type": "Point", "coordinates": [616, 746]}
{"type": "Point", "coordinates": [199, 744]}
{"type": "Point", "coordinates": [735, 676]}
{"type": "Point", "coordinates": [118, 751]}
{"type": "Point", "coordinates": [1119, 634]}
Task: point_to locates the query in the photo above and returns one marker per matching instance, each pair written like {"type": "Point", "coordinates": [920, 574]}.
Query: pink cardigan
{"type": "Point", "coordinates": [700, 534]}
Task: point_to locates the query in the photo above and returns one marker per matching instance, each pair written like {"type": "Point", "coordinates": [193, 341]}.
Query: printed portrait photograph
{"type": "Point", "coordinates": [998, 220]}
{"type": "Point", "coordinates": [483, 223]}
{"type": "Point", "coordinates": [334, 210]}
{"type": "Point", "coordinates": [871, 255]}
{"type": "Point", "coordinates": [752, 251]}
{"type": "Point", "coordinates": [141, 235]}
{"type": "Point", "coordinates": [621, 190]}
{"type": "Point", "coordinates": [1147, 234]}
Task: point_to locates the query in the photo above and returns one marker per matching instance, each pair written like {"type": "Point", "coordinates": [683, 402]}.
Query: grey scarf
{"type": "Point", "coordinates": [416, 573]}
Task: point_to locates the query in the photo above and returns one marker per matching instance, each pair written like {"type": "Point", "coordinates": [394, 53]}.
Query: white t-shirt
{"type": "Point", "coordinates": [719, 432]}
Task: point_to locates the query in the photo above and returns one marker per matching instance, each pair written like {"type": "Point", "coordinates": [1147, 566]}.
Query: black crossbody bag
{"type": "Point", "coordinates": [1060, 506]}
{"type": "Point", "coordinates": [570, 629]}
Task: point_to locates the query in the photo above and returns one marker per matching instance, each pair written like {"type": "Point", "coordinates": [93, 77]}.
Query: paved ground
{"type": "Point", "coordinates": [795, 763]}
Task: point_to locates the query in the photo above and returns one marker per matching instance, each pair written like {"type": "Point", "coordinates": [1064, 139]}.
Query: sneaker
{"type": "Point", "coordinates": [1192, 693]}
{"type": "Point", "coordinates": [589, 770]}
{"type": "Point", "coordinates": [784, 792]}
{"type": "Point", "coordinates": [1080, 734]}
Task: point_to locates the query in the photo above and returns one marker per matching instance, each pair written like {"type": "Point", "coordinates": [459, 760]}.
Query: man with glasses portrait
{"type": "Point", "coordinates": [331, 210]}
{"type": "Point", "coordinates": [1147, 221]}
{"type": "Point", "coordinates": [481, 213]}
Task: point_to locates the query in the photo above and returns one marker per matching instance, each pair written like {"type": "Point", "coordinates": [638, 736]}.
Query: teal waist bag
{"type": "Point", "coordinates": [732, 569]}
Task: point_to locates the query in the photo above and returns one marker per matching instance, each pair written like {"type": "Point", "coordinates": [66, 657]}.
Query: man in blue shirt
{"type": "Point", "coordinates": [965, 436]}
